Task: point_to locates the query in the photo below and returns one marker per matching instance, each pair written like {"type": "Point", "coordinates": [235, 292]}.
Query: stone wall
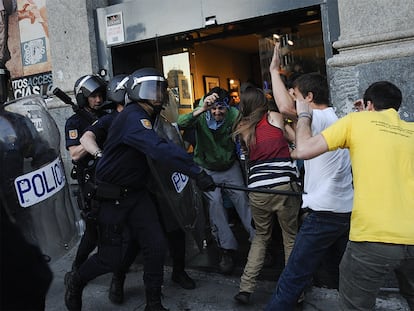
{"type": "Point", "coordinates": [376, 43]}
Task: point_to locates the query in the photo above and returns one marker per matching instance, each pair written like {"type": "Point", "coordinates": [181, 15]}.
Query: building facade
{"type": "Point", "coordinates": [200, 44]}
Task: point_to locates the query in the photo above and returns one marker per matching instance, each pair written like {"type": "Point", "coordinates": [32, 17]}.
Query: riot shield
{"type": "Point", "coordinates": [33, 182]}
{"type": "Point", "coordinates": [179, 199]}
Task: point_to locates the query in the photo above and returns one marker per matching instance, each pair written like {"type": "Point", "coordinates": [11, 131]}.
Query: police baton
{"type": "Point", "coordinates": [65, 98]}
{"type": "Point", "coordinates": [68, 101]}
{"type": "Point", "coordinates": [260, 190]}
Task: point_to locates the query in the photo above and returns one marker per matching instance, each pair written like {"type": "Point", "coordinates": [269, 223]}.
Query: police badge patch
{"type": "Point", "coordinates": [73, 134]}
{"type": "Point", "coordinates": [146, 123]}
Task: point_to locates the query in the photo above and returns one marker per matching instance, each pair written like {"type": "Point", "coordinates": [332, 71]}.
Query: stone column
{"type": "Point", "coordinates": [376, 43]}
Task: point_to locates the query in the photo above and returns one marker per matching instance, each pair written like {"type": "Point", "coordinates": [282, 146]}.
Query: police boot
{"type": "Point", "coordinates": [116, 291]}
{"type": "Point", "coordinates": [153, 296]}
{"type": "Point", "coordinates": [181, 277]}
{"type": "Point", "coordinates": [73, 295]}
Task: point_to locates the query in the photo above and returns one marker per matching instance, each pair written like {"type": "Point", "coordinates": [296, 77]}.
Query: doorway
{"type": "Point", "coordinates": [231, 54]}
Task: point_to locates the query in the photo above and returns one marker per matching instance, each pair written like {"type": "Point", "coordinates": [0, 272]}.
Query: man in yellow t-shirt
{"type": "Point", "coordinates": [381, 147]}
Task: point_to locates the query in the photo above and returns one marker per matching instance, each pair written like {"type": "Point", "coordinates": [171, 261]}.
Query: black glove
{"type": "Point", "coordinates": [205, 182]}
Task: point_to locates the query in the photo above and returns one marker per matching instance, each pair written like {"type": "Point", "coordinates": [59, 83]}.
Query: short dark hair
{"type": "Point", "coordinates": [314, 83]}
{"type": "Point", "coordinates": [222, 93]}
{"type": "Point", "coordinates": [383, 95]}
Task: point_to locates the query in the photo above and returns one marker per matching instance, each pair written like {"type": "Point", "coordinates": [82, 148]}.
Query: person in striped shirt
{"type": "Point", "coordinates": [265, 136]}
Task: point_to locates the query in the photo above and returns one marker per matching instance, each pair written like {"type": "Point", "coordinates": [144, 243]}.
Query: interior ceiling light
{"type": "Point", "coordinates": [310, 22]}
{"type": "Point", "coordinates": [311, 12]}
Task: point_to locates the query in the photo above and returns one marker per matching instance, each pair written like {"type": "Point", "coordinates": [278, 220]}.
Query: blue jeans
{"type": "Point", "coordinates": [365, 266]}
{"type": "Point", "coordinates": [320, 233]}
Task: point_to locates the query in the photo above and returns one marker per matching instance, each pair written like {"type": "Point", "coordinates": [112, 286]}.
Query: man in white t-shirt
{"type": "Point", "coordinates": [328, 184]}
{"type": "Point", "coordinates": [381, 147]}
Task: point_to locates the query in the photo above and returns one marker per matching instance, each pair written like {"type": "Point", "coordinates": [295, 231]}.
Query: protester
{"type": "Point", "coordinates": [215, 151]}
{"type": "Point", "coordinates": [264, 135]}
{"type": "Point", "coordinates": [381, 238]}
{"type": "Point", "coordinates": [328, 198]}
{"type": "Point", "coordinates": [234, 98]}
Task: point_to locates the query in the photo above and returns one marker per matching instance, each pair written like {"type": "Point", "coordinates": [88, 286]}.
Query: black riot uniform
{"type": "Point", "coordinates": [115, 94]}
{"type": "Point", "coordinates": [84, 168]}
{"type": "Point", "coordinates": [126, 206]}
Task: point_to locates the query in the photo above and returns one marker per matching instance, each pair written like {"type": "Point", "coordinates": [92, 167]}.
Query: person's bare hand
{"type": "Point", "coordinates": [359, 105]}
{"type": "Point", "coordinates": [209, 101]}
{"type": "Point", "coordinates": [275, 64]}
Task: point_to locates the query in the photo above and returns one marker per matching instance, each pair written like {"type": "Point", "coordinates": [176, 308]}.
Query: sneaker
{"type": "Point", "coordinates": [226, 264]}
{"type": "Point", "coordinates": [183, 279]}
{"type": "Point", "coordinates": [243, 298]}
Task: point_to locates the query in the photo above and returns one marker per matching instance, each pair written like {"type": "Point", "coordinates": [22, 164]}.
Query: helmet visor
{"type": "Point", "coordinates": [89, 85]}
{"type": "Point", "coordinates": [153, 88]}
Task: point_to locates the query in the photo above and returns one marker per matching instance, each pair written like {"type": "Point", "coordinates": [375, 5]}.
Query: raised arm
{"type": "Point", "coordinates": [284, 101]}
{"type": "Point", "coordinates": [208, 101]}
{"type": "Point", "coordinates": [188, 120]}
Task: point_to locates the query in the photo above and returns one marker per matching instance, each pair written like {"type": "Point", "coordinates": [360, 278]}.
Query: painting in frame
{"type": "Point", "coordinates": [210, 82]}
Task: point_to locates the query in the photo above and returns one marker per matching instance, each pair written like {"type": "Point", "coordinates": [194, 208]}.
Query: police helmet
{"type": "Point", "coordinates": [85, 86]}
{"type": "Point", "coordinates": [147, 85]}
{"type": "Point", "coordinates": [116, 89]}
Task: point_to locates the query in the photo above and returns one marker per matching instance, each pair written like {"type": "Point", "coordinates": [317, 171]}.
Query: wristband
{"type": "Point", "coordinates": [305, 115]}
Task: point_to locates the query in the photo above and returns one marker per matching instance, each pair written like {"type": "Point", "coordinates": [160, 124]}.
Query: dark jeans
{"type": "Point", "coordinates": [319, 233]}
{"type": "Point", "coordinates": [365, 266]}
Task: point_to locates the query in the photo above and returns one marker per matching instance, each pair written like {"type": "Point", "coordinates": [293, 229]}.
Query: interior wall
{"type": "Point", "coordinates": [210, 60]}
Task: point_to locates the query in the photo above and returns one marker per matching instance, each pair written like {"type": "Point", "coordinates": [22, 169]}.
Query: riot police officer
{"type": "Point", "coordinates": [126, 205]}
{"type": "Point", "coordinates": [92, 141]}
{"type": "Point", "coordinates": [89, 92]}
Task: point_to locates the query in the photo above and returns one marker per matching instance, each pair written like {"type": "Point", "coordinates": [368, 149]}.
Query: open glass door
{"type": "Point", "coordinates": [177, 70]}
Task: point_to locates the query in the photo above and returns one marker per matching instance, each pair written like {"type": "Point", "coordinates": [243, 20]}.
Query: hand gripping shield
{"type": "Point", "coordinates": [180, 201]}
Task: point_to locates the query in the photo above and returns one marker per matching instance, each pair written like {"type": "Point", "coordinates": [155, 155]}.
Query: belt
{"type": "Point", "coordinates": [106, 191]}
{"type": "Point", "coordinates": [309, 210]}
